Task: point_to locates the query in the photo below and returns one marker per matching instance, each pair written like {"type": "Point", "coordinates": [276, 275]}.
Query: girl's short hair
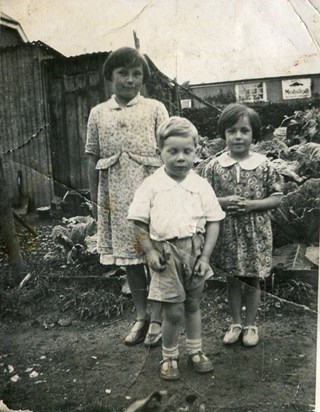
{"type": "Point", "coordinates": [125, 57]}
{"type": "Point", "coordinates": [176, 126]}
{"type": "Point", "coordinates": [232, 113]}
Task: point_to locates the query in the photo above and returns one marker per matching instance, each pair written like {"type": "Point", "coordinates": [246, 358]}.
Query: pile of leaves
{"type": "Point", "coordinates": [60, 284]}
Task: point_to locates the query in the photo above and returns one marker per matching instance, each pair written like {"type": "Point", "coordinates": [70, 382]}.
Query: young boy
{"type": "Point", "coordinates": [177, 215]}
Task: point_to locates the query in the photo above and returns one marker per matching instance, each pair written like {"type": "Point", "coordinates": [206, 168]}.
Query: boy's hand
{"type": "Point", "coordinates": [156, 260]}
{"type": "Point", "coordinates": [202, 266]}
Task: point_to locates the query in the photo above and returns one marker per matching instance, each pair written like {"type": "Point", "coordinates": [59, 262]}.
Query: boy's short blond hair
{"type": "Point", "coordinates": [176, 126]}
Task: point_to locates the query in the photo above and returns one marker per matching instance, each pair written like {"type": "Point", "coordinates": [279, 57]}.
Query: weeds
{"type": "Point", "coordinates": [94, 304]}
{"type": "Point", "coordinates": [296, 291]}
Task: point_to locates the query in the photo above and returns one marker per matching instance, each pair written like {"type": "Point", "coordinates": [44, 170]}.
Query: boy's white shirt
{"type": "Point", "coordinates": [175, 209]}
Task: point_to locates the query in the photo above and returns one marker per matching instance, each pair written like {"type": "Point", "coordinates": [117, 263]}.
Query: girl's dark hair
{"type": "Point", "coordinates": [232, 113]}
{"type": "Point", "coordinates": [125, 57]}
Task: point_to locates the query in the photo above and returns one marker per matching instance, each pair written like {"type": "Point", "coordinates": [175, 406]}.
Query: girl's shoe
{"type": "Point", "coordinates": [200, 362]}
{"type": "Point", "coordinates": [250, 336]}
{"type": "Point", "coordinates": [138, 332]}
{"type": "Point", "coordinates": [153, 339]}
{"type": "Point", "coordinates": [169, 370]}
{"type": "Point", "coordinates": [233, 333]}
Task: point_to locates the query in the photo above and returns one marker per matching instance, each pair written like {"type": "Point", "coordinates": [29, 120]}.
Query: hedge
{"type": "Point", "coordinates": [206, 119]}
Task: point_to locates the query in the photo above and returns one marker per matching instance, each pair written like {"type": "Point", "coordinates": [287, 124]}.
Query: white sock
{"type": "Point", "coordinates": [168, 353]}
{"type": "Point", "coordinates": [194, 346]}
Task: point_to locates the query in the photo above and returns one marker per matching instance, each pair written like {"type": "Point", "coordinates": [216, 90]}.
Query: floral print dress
{"type": "Point", "coordinates": [244, 246]}
{"type": "Point", "coordinates": [123, 139]}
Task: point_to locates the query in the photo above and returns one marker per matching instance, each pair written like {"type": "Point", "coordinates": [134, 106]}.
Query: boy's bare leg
{"type": "Point", "coordinates": [172, 317]}
{"type": "Point", "coordinates": [193, 314]}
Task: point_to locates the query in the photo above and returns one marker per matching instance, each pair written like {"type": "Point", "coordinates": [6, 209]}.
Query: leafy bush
{"type": "Point", "coordinates": [205, 119]}
{"type": "Point", "coordinates": [297, 217]}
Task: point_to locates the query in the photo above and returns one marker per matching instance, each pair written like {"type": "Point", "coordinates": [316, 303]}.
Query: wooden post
{"type": "Point", "coordinates": [8, 230]}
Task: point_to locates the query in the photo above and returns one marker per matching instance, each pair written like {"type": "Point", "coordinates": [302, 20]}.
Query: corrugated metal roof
{"type": "Point", "coordinates": [13, 24]}
{"type": "Point", "coordinates": [6, 17]}
{"type": "Point", "coordinates": [37, 43]}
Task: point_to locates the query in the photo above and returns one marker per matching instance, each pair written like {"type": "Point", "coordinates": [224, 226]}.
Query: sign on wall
{"type": "Point", "coordinates": [296, 89]}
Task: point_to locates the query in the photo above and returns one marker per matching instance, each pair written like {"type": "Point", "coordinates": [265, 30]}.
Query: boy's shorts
{"type": "Point", "coordinates": [178, 277]}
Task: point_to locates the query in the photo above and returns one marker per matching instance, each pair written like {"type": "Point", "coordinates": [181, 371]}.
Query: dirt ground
{"type": "Point", "coordinates": [66, 364]}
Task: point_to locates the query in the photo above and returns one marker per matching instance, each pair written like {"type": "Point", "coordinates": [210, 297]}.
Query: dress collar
{"type": "Point", "coordinates": [114, 105]}
{"type": "Point", "coordinates": [252, 162]}
{"type": "Point", "coordinates": [190, 183]}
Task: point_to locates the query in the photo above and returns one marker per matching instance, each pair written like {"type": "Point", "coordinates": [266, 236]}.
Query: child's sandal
{"type": "Point", "coordinates": [169, 370]}
{"type": "Point", "coordinates": [200, 362]}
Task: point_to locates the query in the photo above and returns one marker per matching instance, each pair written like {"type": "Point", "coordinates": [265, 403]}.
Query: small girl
{"type": "Point", "coordinates": [121, 147]}
{"type": "Point", "coordinates": [247, 187]}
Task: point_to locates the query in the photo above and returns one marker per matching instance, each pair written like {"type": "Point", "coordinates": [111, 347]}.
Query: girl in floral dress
{"type": "Point", "coordinates": [121, 148]}
{"type": "Point", "coordinates": [247, 187]}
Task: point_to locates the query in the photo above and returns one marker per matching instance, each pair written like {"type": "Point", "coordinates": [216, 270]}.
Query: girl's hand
{"type": "Point", "coordinates": [156, 260]}
{"type": "Point", "coordinates": [232, 203]}
{"type": "Point", "coordinates": [202, 266]}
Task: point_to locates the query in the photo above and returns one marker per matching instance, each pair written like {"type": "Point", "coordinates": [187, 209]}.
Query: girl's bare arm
{"type": "Point", "coordinates": [93, 176]}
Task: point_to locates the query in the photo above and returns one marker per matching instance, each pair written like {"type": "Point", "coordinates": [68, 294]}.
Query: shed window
{"type": "Point", "coordinates": [251, 92]}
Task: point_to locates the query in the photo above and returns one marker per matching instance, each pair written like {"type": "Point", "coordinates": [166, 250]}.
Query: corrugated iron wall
{"type": "Point", "coordinates": [24, 135]}
{"type": "Point", "coordinates": [75, 85]}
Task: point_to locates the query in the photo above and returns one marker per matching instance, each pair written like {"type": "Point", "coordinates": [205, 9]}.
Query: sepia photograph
{"type": "Point", "coordinates": [159, 205]}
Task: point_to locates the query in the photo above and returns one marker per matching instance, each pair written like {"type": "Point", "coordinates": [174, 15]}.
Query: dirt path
{"type": "Point", "coordinates": [86, 367]}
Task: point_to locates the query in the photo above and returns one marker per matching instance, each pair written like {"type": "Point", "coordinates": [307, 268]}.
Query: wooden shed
{"type": "Point", "coordinates": [44, 113]}
{"type": "Point", "coordinates": [24, 126]}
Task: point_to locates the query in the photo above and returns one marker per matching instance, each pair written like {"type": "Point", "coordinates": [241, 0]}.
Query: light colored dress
{"type": "Point", "coordinates": [123, 139]}
{"type": "Point", "coordinates": [244, 246]}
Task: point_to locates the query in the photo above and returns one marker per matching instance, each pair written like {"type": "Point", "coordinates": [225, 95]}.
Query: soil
{"type": "Point", "coordinates": [67, 364]}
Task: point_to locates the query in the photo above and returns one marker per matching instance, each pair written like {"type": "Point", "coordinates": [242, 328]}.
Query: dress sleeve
{"type": "Point", "coordinates": [274, 182]}
{"type": "Point", "coordinates": [210, 203]}
{"type": "Point", "coordinates": [208, 172]}
{"type": "Point", "coordinates": [92, 144]}
{"type": "Point", "coordinates": [139, 208]}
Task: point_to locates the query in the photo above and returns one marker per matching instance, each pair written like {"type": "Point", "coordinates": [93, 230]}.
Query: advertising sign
{"type": "Point", "coordinates": [296, 89]}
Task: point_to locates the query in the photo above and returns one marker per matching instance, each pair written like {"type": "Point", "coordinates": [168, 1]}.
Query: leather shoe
{"type": "Point", "coordinates": [153, 339]}
{"type": "Point", "coordinates": [138, 332]}
{"type": "Point", "coordinates": [250, 336]}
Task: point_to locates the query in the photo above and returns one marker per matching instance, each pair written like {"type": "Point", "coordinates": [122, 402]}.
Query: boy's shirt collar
{"type": "Point", "coordinates": [190, 182]}
{"type": "Point", "coordinates": [252, 162]}
{"type": "Point", "coordinates": [114, 105]}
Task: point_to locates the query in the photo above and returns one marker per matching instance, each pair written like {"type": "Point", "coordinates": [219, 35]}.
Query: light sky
{"type": "Point", "coordinates": [190, 40]}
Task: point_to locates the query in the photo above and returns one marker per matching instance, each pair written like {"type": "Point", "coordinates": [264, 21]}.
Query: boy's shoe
{"type": "Point", "coordinates": [137, 333]}
{"type": "Point", "coordinates": [250, 336]}
{"type": "Point", "coordinates": [200, 362]}
{"type": "Point", "coordinates": [233, 333]}
{"type": "Point", "coordinates": [153, 339]}
{"type": "Point", "coordinates": [169, 370]}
